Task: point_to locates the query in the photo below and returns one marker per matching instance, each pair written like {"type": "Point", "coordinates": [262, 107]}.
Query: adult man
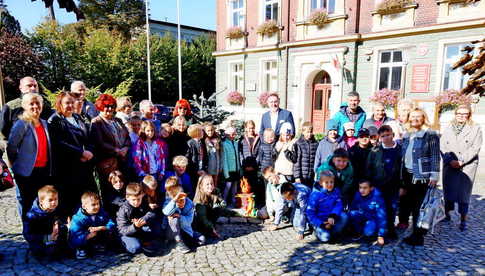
{"type": "Point", "coordinates": [11, 111]}
{"type": "Point", "coordinates": [350, 112]}
{"type": "Point", "coordinates": [148, 110]}
{"type": "Point", "coordinates": [276, 116]}
{"type": "Point", "coordinates": [88, 109]}
{"type": "Point", "coordinates": [378, 118]}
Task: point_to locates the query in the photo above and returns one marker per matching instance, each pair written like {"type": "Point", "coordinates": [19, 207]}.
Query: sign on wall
{"type": "Point", "coordinates": [420, 78]}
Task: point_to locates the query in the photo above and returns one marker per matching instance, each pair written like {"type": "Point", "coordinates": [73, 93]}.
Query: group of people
{"type": "Point", "coordinates": [90, 175]}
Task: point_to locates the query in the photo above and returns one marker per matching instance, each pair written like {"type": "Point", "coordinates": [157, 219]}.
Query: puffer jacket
{"type": "Point", "coordinates": [127, 212]}
{"type": "Point", "coordinates": [305, 151]}
{"type": "Point", "coordinates": [38, 221]}
{"type": "Point", "coordinates": [371, 207]}
{"type": "Point", "coordinates": [266, 155]}
{"type": "Point", "coordinates": [343, 179]}
{"type": "Point", "coordinates": [324, 204]}
{"type": "Point", "coordinates": [80, 223]}
{"type": "Point", "coordinates": [248, 154]}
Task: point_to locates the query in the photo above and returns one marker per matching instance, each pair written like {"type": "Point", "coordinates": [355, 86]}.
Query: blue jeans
{"type": "Point", "coordinates": [362, 225]}
{"type": "Point", "coordinates": [151, 232]}
{"type": "Point", "coordinates": [325, 235]}
{"type": "Point", "coordinates": [299, 219]}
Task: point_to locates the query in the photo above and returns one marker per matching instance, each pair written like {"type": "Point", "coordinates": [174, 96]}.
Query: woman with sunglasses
{"type": "Point", "coordinates": [182, 108]}
{"type": "Point", "coordinates": [124, 108]}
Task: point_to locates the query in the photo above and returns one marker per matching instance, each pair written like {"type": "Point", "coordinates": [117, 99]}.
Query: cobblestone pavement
{"type": "Point", "coordinates": [246, 250]}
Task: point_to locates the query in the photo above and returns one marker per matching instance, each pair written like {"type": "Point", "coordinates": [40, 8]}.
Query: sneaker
{"type": "Point", "coordinates": [81, 254]}
{"type": "Point", "coordinates": [201, 240]}
{"type": "Point", "coordinates": [402, 226]}
{"type": "Point", "coordinates": [182, 248]}
{"type": "Point", "coordinates": [462, 226]}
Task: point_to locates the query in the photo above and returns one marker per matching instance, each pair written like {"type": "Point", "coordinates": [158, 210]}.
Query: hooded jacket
{"type": "Point", "coordinates": [341, 118]}
{"type": "Point", "coordinates": [371, 207]}
{"type": "Point", "coordinates": [324, 150]}
{"type": "Point", "coordinates": [343, 179]}
{"type": "Point", "coordinates": [305, 151]}
{"type": "Point", "coordinates": [38, 221]}
{"type": "Point", "coordinates": [324, 204]}
{"type": "Point", "coordinates": [80, 223]}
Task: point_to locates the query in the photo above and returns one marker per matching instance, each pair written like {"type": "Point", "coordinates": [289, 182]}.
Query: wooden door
{"type": "Point", "coordinates": [320, 96]}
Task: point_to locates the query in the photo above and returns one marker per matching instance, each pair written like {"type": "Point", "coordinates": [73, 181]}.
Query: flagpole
{"type": "Point", "coordinates": [148, 52]}
{"type": "Point", "coordinates": [179, 53]}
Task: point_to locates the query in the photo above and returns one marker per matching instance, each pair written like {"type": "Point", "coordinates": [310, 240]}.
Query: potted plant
{"type": "Point", "coordinates": [451, 99]}
{"type": "Point", "coordinates": [318, 17]}
{"type": "Point", "coordinates": [235, 98]}
{"type": "Point", "coordinates": [263, 99]}
{"type": "Point", "coordinates": [387, 97]}
{"type": "Point", "coordinates": [392, 6]}
{"type": "Point", "coordinates": [234, 32]}
{"type": "Point", "coordinates": [268, 28]}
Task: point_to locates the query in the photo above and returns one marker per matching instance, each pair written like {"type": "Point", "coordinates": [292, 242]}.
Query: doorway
{"type": "Point", "coordinates": [322, 88]}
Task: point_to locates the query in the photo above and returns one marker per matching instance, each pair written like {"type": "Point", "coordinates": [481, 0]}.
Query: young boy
{"type": "Point", "coordinates": [338, 163]}
{"type": "Point", "coordinates": [373, 136]}
{"type": "Point", "coordinates": [266, 154]}
{"type": "Point", "coordinates": [327, 145]}
{"type": "Point", "coordinates": [325, 209]}
{"type": "Point", "coordinates": [91, 227]}
{"type": "Point", "coordinates": [296, 196]}
{"type": "Point", "coordinates": [152, 192]}
{"type": "Point", "coordinates": [274, 199]}
{"type": "Point", "coordinates": [180, 163]}
{"type": "Point", "coordinates": [43, 230]}
{"type": "Point", "coordinates": [138, 225]}
{"type": "Point", "coordinates": [231, 166]}
{"type": "Point", "coordinates": [305, 149]}
{"type": "Point", "coordinates": [116, 197]}
{"type": "Point", "coordinates": [358, 155]}
{"type": "Point", "coordinates": [180, 213]}
{"type": "Point", "coordinates": [368, 213]}
{"type": "Point", "coordinates": [383, 168]}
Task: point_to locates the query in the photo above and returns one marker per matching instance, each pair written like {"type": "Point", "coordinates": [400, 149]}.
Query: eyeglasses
{"type": "Point", "coordinates": [110, 106]}
{"type": "Point", "coordinates": [463, 114]}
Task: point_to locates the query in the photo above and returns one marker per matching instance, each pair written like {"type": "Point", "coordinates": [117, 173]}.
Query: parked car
{"type": "Point", "coordinates": [164, 113]}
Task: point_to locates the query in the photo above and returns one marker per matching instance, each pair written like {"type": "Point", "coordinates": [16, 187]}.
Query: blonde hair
{"type": "Point", "coordinates": [425, 119]}
{"type": "Point", "coordinates": [149, 180]}
{"type": "Point", "coordinates": [200, 196]}
{"type": "Point", "coordinates": [45, 191]}
{"type": "Point", "coordinates": [269, 131]}
{"type": "Point", "coordinates": [306, 125]}
{"type": "Point", "coordinates": [134, 189]}
{"type": "Point", "coordinates": [172, 186]}
{"type": "Point", "coordinates": [469, 121]}
{"type": "Point", "coordinates": [180, 161]}
{"type": "Point", "coordinates": [89, 196]}
{"type": "Point", "coordinates": [121, 101]}
{"type": "Point", "coordinates": [27, 98]}
{"type": "Point", "coordinates": [195, 131]}
{"type": "Point", "coordinates": [180, 118]}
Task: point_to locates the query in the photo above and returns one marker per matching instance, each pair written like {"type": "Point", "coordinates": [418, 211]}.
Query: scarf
{"type": "Point", "coordinates": [457, 128]}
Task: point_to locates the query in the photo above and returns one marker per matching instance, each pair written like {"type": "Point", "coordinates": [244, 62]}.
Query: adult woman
{"type": "Point", "coordinates": [421, 166]}
{"type": "Point", "coordinates": [110, 139]}
{"type": "Point", "coordinates": [460, 145]}
{"type": "Point", "coordinates": [72, 153]}
{"type": "Point", "coordinates": [124, 108]}
{"type": "Point", "coordinates": [29, 152]}
{"type": "Point", "coordinates": [182, 108]}
{"type": "Point", "coordinates": [404, 106]}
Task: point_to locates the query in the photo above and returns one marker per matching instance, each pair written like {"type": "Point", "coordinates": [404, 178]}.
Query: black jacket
{"type": "Point", "coordinates": [266, 155]}
{"type": "Point", "coordinates": [358, 158]}
{"type": "Point", "coordinates": [195, 162]}
{"type": "Point", "coordinates": [116, 199]}
{"type": "Point", "coordinates": [248, 153]}
{"type": "Point", "coordinates": [305, 158]}
{"type": "Point", "coordinates": [127, 212]}
{"type": "Point", "coordinates": [177, 144]}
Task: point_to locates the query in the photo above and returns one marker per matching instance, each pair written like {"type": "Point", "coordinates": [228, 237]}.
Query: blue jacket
{"type": "Point", "coordinates": [283, 116]}
{"type": "Point", "coordinates": [22, 147]}
{"type": "Point", "coordinates": [426, 154]}
{"type": "Point", "coordinates": [324, 150]}
{"type": "Point", "coordinates": [184, 180]}
{"type": "Point", "coordinates": [371, 207]}
{"type": "Point", "coordinates": [341, 118]}
{"type": "Point", "coordinates": [186, 214]}
{"type": "Point", "coordinates": [323, 204]}
{"type": "Point", "coordinates": [230, 158]}
{"type": "Point", "coordinates": [78, 230]}
{"type": "Point", "coordinates": [38, 222]}
{"type": "Point", "coordinates": [300, 202]}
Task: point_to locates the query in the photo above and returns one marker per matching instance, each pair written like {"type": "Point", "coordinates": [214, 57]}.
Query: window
{"type": "Point", "coordinates": [237, 77]}
{"type": "Point", "coordinates": [390, 69]}
{"type": "Point", "coordinates": [269, 81]}
{"type": "Point", "coordinates": [271, 10]}
{"type": "Point", "coordinates": [453, 79]}
{"type": "Point", "coordinates": [237, 13]}
{"type": "Point", "coordinates": [329, 5]}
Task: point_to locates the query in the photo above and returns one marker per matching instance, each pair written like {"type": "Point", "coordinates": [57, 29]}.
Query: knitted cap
{"type": "Point", "coordinates": [349, 125]}
{"type": "Point", "coordinates": [286, 128]}
{"type": "Point", "coordinates": [331, 125]}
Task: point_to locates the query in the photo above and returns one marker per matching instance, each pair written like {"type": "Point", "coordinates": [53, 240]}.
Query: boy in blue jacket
{"type": "Point", "coordinates": [296, 195]}
{"type": "Point", "coordinates": [91, 226]}
{"type": "Point", "coordinates": [180, 210]}
{"type": "Point", "coordinates": [325, 209]}
{"type": "Point", "coordinates": [43, 230]}
{"type": "Point", "coordinates": [368, 213]}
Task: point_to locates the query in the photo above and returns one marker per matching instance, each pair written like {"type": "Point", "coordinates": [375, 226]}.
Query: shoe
{"type": "Point", "coordinates": [148, 248]}
{"type": "Point", "coordinates": [201, 240]}
{"type": "Point", "coordinates": [81, 254]}
{"type": "Point", "coordinates": [462, 226]}
{"type": "Point", "coordinates": [402, 226]}
{"type": "Point", "coordinates": [414, 240]}
{"type": "Point", "coordinates": [182, 248]}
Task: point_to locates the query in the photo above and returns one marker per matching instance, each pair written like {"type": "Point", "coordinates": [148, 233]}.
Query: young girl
{"type": "Point", "coordinates": [348, 139]}
{"type": "Point", "coordinates": [213, 147]}
{"type": "Point", "coordinates": [286, 156]}
{"type": "Point", "coordinates": [209, 206]}
{"type": "Point", "coordinates": [148, 153]}
{"type": "Point", "coordinates": [196, 153]}
{"type": "Point", "coordinates": [248, 152]}
{"type": "Point", "coordinates": [231, 165]}
{"type": "Point", "coordinates": [117, 193]}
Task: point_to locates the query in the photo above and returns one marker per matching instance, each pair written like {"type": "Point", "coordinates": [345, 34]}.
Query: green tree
{"type": "Point", "coordinates": [8, 23]}
{"type": "Point", "coordinates": [68, 5]}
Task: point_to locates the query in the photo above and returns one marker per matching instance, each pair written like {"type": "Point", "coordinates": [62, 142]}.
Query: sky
{"type": "Point", "coordinates": [196, 13]}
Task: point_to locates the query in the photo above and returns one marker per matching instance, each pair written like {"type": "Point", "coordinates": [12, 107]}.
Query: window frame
{"type": "Point", "coordinates": [231, 11]}
{"type": "Point", "coordinates": [272, 72]}
{"type": "Point", "coordinates": [322, 4]}
{"type": "Point", "coordinates": [450, 61]}
{"type": "Point", "coordinates": [234, 84]}
{"type": "Point", "coordinates": [391, 64]}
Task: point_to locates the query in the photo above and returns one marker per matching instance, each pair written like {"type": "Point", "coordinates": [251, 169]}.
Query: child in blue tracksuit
{"type": "Point", "coordinates": [179, 211]}
{"type": "Point", "coordinates": [325, 210]}
{"type": "Point", "coordinates": [368, 212]}
{"type": "Point", "coordinates": [91, 226]}
{"type": "Point", "coordinates": [296, 196]}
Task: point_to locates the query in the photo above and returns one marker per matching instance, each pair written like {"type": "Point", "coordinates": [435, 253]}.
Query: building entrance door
{"type": "Point", "coordinates": [322, 88]}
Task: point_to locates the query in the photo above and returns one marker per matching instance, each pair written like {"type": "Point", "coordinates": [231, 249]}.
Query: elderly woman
{"type": "Point", "coordinates": [29, 152]}
{"type": "Point", "coordinates": [421, 167]}
{"type": "Point", "coordinates": [72, 153]}
{"type": "Point", "coordinates": [110, 139]}
{"type": "Point", "coordinates": [460, 145]}
{"type": "Point", "coordinates": [124, 108]}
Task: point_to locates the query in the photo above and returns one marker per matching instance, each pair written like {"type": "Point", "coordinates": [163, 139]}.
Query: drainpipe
{"type": "Point", "coordinates": [357, 43]}
{"type": "Point", "coordinates": [287, 50]}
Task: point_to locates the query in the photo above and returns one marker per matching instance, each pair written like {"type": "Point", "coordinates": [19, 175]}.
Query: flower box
{"type": "Point", "coordinates": [393, 6]}
{"type": "Point", "coordinates": [235, 98]}
{"type": "Point", "coordinates": [318, 18]}
{"type": "Point", "coordinates": [234, 33]}
{"type": "Point", "coordinates": [268, 28]}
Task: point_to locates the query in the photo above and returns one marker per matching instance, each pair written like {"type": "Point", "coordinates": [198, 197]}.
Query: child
{"type": "Point", "coordinates": [296, 196]}
{"type": "Point", "coordinates": [338, 163]}
{"type": "Point", "coordinates": [325, 209]}
{"type": "Point", "coordinates": [137, 224]}
{"type": "Point", "coordinates": [180, 213]}
{"type": "Point", "coordinates": [213, 149]}
{"type": "Point", "coordinates": [286, 157]}
{"type": "Point", "coordinates": [231, 165]}
{"type": "Point", "coordinates": [166, 131]}
{"type": "Point", "coordinates": [209, 206]}
{"type": "Point", "coordinates": [134, 126]}
{"type": "Point", "coordinates": [179, 164]}
{"type": "Point", "coordinates": [117, 193]}
{"type": "Point", "coordinates": [327, 145]}
{"type": "Point", "coordinates": [249, 147]}
{"type": "Point", "coordinates": [44, 232]}
{"type": "Point", "coordinates": [196, 153]}
{"type": "Point", "coordinates": [348, 139]}
{"type": "Point", "coordinates": [383, 168]}
{"type": "Point", "coordinates": [266, 152]}
{"type": "Point", "coordinates": [358, 155]}
{"type": "Point", "coordinates": [368, 213]}
{"type": "Point", "coordinates": [373, 136]}
{"type": "Point", "coordinates": [91, 227]}
{"type": "Point", "coordinates": [274, 199]}
{"type": "Point", "coordinates": [148, 153]}
{"type": "Point", "coordinates": [153, 194]}
{"type": "Point", "coordinates": [305, 151]}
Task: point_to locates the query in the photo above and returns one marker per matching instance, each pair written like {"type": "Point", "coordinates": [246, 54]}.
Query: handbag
{"type": "Point", "coordinates": [108, 165]}
{"type": "Point", "coordinates": [432, 209]}
{"type": "Point", "coordinates": [6, 179]}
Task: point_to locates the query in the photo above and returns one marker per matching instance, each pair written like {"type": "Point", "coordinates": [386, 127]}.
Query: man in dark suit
{"type": "Point", "coordinates": [276, 116]}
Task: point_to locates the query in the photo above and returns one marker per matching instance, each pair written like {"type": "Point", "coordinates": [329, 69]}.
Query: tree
{"type": "Point", "coordinates": [473, 64]}
{"type": "Point", "coordinates": [8, 23]}
{"type": "Point", "coordinates": [69, 5]}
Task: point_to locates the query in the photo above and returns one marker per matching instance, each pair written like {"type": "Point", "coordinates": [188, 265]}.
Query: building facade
{"type": "Point", "coordinates": [187, 33]}
{"type": "Point", "coordinates": [359, 47]}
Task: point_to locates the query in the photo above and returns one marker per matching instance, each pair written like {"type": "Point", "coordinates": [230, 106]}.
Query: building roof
{"type": "Point", "coordinates": [181, 26]}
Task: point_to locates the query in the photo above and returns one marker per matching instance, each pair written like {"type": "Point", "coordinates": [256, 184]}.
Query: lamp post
{"type": "Point", "coordinates": [148, 50]}
{"type": "Point", "coordinates": [179, 51]}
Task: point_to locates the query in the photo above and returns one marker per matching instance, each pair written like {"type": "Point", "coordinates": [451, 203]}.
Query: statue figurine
{"type": "Point", "coordinates": [246, 199]}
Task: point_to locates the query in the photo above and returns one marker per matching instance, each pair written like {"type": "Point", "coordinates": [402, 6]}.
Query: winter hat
{"type": "Point", "coordinates": [331, 125]}
{"type": "Point", "coordinates": [349, 125]}
{"type": "Point", "coordinates": [372, 131]}
{"type": "Point", "coordinates": [363, 132]}
{"type": "Point", "coordinates": [286, 128]}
